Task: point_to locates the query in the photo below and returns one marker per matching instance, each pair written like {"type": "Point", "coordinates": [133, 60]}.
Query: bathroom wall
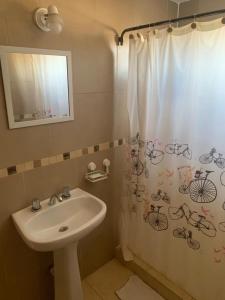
{"type": "Point", "coordinates": [210, 5]}
{"type": "Point", "coordinates": [189, 8]}
{"type": "Point", "coordinates": [99, 79]}
{"type": "Point", "coordinates": [198, 6]}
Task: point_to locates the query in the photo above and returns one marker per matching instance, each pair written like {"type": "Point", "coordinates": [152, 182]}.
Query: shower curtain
{"type": "Point", "coordinates": [173, 205]}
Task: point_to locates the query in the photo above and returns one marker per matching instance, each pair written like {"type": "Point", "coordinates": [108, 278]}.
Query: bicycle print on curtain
{"type": "Point", "coordinates": [175, 174]}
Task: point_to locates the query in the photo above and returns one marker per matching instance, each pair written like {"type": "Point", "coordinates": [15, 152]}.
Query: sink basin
{"type": "Point", "coordinates": [53, 227]}
{"type": "Point", "coordinates": [58, 228]}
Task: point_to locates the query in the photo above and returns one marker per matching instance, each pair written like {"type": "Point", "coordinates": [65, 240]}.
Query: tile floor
{"type": "Point", "coordinates": [102, 284]}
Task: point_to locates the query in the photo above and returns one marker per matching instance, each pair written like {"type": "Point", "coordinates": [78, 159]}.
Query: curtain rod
{"type": "Point", "coordinates": [210, 13]}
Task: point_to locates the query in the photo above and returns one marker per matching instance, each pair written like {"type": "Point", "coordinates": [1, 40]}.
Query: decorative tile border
{"type": "Point", "coordinates": [51, 160]}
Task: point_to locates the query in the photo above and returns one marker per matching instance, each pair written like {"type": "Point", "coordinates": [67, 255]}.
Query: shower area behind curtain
{"type": "Point", "coordinates": [173, 214]}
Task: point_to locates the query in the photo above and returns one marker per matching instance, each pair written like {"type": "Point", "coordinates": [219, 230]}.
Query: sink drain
{"type": "Point", "coordinates": [63, 228]}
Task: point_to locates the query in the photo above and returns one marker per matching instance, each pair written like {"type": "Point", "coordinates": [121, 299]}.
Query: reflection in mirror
{"type": "Point", "coordinates": [39, 86]}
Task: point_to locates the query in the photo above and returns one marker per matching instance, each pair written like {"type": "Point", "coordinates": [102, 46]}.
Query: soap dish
{"type": "Point", "coordinates": [96, 176]}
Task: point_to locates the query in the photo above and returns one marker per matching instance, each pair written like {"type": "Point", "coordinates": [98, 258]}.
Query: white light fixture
{"type": "Point", "coordinates": [179, 1]}
{"type": "Point", "coordinates": [47, 19]}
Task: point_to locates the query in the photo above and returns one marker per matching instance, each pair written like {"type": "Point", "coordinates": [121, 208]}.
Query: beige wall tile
{"type": "Point", "coordinates": [119, 156]}
{"type": "Point", "coordinates": [43, 182]}
{"type": "Point", "coordinates": [120, 117]}
{"type": "Point", "coordinates": [99, 245]}
{"type": "Point", "coordinates": [3, 173]}
{"type": "Point", "coordinates": [191, 6]}
{"type": "Point", "coordinates": [12, 195]}
{"type": "Point", "coordinates": [45, 161]}
{"type": "Point", "coordinates": [99, 242]}
{"type": "Point", "coordinates": [115, 13]}
{"type": "Point", "coordinates": [104, 146]}
{"type": "Point", "coordinates": [18, 16]}
{"type": "Point", "coordinates": [116, 143]}
{"type": "Point", "coordinates": [29, 165]}
{"type": "Point", "coordinates": [151, 10]}
{"type": "Point", "coordinates": [90, 150]}
{"type": "Point", "coordinates": [21, 145]}
{"type": "Point", "coordinates": [52, 160]}
{"type": "Point", "coordinates": [198, 6]}
{"type": "Point", "coordinates": [59, 158]}
{"type": "Point", "coordinates": [92, 124]}
{"type": "Point", "coordinates": [20, 168]}
{"type": "Point", "coordinates": [3, 32]}
{"type": "Point", "coordinates": [93, 73]}
{"type": "Point", "coordinates": [76, 153]}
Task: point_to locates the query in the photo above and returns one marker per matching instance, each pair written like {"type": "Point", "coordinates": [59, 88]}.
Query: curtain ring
{"type": "Point", "coordinates": [223, 20]}
{"type": "Point", "coordinates": [140, 36]}
{"type": "Point", "coordinates": [131, 36]}
{"type": "Point", "coordinates": [193, 25]}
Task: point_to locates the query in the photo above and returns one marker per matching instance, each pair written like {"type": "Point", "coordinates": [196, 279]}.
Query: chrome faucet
{"type": "Point", "coordinates": [60, 196]}
{"type": "Point", "coordinates": [36, 205]}
{"type": "Point", "coordinates": [54, 198]}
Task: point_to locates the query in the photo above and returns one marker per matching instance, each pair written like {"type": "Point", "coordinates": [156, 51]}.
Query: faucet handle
{"type": "Point", "coordinates": [66, 192]}
{"type": "Point", "coordinates": [36, 205]}
{"type": "Point", "coordinates": [52, 200]}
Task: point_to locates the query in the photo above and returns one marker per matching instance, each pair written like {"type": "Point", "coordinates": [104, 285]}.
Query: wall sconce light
{"type": "Point", "coordinates": [47, 19]}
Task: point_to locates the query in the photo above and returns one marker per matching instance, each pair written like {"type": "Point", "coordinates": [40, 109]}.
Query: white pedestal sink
{"type": "Point", "coordinates": [58, 228]}
{"type": "Point", "coordinates": [67, 275]}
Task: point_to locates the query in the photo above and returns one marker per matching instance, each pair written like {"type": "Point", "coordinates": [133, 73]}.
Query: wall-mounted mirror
{"type": "Point", "coordinates": [38, 86]}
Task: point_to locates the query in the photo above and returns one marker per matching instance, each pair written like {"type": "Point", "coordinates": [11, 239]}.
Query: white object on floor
{"type": "Point", "coordinates": [135, 289]}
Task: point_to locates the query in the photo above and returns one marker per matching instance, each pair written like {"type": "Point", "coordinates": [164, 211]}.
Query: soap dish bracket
{"type": "Point", "coordinates": [96, 176]}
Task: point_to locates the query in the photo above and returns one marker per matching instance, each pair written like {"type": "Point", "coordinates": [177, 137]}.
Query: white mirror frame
{"type": "Point", "coordinates": [4, 50]}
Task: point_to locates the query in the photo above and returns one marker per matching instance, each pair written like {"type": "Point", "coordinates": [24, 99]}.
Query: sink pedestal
{"type": "Point", "coordinates": [67, 274]}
